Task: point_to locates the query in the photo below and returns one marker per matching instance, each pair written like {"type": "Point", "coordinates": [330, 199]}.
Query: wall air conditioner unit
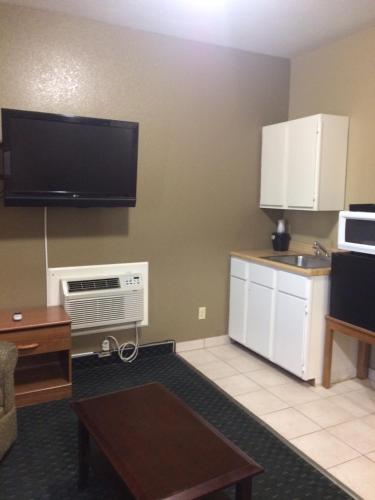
{"type": "Point", "coordinates": [103, 301]}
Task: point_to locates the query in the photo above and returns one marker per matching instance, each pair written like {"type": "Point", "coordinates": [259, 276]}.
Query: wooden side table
{"type": "Point", "coordinates": [365, 337]}
{"type": "Point", "coordinates": [43, 339]}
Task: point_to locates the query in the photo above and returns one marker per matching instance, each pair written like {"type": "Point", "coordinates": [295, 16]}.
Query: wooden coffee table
{"type": "Point", "coordinates": [159, 447]}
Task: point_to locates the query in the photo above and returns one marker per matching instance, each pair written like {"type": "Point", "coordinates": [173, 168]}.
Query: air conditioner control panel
{"type": "Point", "coordinates": [133, 281]}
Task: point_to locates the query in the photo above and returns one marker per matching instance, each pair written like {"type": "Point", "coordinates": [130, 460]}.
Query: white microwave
{"type": "Point", "coordinates": [357, 231]}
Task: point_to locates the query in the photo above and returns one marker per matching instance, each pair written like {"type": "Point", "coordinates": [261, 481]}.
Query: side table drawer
{"type": "Point", "coordinates": [40, 340]}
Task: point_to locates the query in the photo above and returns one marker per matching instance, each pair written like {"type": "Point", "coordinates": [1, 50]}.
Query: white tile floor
{"type": "Point", "coordinates": [335, 428]}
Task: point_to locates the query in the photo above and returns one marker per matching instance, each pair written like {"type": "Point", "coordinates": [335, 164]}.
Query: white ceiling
{"type": "Point", "coordinates": [276, 27]}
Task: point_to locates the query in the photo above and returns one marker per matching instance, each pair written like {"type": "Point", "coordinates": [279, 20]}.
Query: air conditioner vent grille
{"type": "Point", "coordinates": [101, 301]}
{"type": "Point", "coordinates": [105, 310]}
{"type": "Point", "coordinates": [93, 284]}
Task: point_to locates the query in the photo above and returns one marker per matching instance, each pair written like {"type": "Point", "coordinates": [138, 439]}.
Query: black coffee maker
{"type": "Point", "coordinates": [280, 238]}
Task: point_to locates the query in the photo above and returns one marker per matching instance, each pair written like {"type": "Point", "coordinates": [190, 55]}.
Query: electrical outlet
{"type": "Point", "coordinates": [105, 349]}
{"type": "Point", "coordinates": [105, 345]}
{"type": "Point", "coordinates": [202, 312]}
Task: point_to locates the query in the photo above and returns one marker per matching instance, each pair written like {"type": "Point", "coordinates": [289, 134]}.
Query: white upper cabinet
{"type": "Point", "coordinates": [273, 175]}
{"type": "Point", "coordinates": [303, 145]}
{"type": "Point", "coordinates": [304, 163]}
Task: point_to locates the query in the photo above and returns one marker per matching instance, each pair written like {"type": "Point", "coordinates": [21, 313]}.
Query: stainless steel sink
{"type": "Point", "coordinates": [305, 261]}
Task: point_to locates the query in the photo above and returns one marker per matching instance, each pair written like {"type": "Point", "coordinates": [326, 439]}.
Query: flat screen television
{"type": "Point", "coordinates": [59, 160]}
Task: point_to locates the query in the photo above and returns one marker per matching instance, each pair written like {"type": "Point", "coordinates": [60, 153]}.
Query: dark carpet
{"type": "Point", "coordinates": [43, 462]}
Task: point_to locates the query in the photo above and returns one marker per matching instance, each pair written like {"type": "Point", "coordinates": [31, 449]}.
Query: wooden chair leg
{"type": "Point", "coordinates": [363, 360]}
{"type": "Point", "coordinates": [327, 362]}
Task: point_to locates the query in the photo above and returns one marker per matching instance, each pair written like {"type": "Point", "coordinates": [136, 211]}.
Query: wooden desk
{"type": "Point", "coordinates": [43, 339]}
{"type": "Point", "coordinates": [365, 337]}
{"type": "Point", "coordinates": [159, 447]}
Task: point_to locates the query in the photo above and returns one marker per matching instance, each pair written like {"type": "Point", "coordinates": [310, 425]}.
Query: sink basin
{"type": "Point", "coordinates": [305, 261]}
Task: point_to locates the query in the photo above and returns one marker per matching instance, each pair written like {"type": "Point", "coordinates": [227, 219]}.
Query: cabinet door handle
{"type": "Point", "coordinates": [27, 346]}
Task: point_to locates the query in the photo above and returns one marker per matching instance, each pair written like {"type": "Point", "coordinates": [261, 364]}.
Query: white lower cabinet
{"type": "Point", "coordinates": [290, 333]}
{"type": "Point", "coordinates": [259, 312]}
{"type": "Point", "coordinates": [237, 309]}
{"type": "Point", "coordinates": [279, 315]}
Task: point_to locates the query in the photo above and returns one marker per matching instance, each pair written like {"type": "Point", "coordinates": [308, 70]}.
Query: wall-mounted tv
{"type": "Point", "coordinates": [59, 160]}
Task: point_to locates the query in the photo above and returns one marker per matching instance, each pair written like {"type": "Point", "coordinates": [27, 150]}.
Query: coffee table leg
{"type": "Point", "coordinates": [243, 489]}
{"type": "Point", "coordinates": [83, 451]}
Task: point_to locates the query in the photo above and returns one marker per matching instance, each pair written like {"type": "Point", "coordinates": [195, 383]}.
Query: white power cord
{"type": "Point", "coordinates": [121, 347]}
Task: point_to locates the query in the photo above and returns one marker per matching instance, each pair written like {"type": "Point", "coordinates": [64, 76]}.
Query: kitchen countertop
{"type": "Point", "coordinates": [257, 256]}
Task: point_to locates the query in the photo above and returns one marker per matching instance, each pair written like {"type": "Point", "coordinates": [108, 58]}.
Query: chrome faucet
{"type": "Point", "coordinates": [319, 249]}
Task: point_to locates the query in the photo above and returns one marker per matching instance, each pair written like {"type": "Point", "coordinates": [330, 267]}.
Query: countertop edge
{"type": "Point", "coordinates": [257, 256]}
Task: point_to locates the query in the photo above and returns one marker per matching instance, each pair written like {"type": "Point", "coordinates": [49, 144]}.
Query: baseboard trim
{"type": "Point", "coordinates": [84, 360]}
{"type": "Point", "coordinates": [191, 345]}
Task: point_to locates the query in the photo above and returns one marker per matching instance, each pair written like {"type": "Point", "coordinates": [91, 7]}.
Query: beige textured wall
{"type": "Point", "coordinates": [339, 79]}
{"type": "Point", "coordinates": [200, 110]}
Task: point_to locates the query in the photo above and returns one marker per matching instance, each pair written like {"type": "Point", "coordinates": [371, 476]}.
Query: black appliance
{"type": "Point", "coordinates": [353, 288]}
{"type": "Point", "coordinates": [280, 241]}
{"type": "Point", "coordinates": [362, 207]}
{"type": "Point", "coordinates": [59, 160]}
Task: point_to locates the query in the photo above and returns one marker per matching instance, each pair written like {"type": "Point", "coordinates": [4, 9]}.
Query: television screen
{"type": "Point", "coordinates": [58, 160]}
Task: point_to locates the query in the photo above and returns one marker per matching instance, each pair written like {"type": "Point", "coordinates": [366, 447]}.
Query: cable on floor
{"type": "Point", "coordinates": [126, 345]}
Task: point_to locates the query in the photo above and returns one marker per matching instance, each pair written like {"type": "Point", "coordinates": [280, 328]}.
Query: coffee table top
{"type": "Point", "coordinates": [159, 446]}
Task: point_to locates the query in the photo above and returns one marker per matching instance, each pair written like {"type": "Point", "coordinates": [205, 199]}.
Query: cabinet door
{"type": "Point", "coordinates": [289, 332]}
{"type": "Point", "coordinates": [273, 172]}
{"type": "Point", "coordinates": [259, 314]}
{"type": "Point", "coordinates": [302, 162]}
{"type": "Point", "coordinates": [237, 309]}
